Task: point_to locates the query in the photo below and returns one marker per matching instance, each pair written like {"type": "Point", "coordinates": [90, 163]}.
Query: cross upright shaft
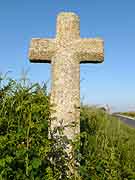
{"type": "Point", "coordinates": [65, 53]}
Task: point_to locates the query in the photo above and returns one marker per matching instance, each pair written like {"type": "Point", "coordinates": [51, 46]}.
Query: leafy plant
{"type": "Point", "coordinates": [106, 149]}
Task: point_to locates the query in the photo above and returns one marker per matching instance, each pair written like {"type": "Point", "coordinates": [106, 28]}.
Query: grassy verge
{"type": "Point", "coordinates": [130, 114]}
{"type": "Point", "coordinates": [108, 147]}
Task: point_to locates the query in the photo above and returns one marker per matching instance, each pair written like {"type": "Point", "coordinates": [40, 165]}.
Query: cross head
{"type": "Point", "coordinates": [65, 52]}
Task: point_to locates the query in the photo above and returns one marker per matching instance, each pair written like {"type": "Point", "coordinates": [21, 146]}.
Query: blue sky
{"type": "Point", "coordinates": [109, 83]}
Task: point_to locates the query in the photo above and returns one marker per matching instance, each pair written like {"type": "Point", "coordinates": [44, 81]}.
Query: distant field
{"type": "Point", "coordinates": [131, 114]}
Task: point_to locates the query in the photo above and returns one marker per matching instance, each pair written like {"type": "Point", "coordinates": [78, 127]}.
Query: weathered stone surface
{"type": "Point", "coordinates": [42, 50]}
{"type": "Point", "coordinates": [66, 52]}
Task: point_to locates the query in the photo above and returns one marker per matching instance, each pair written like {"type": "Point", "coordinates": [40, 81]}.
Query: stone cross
{"type": "Point", "coordinates": [65, 53]}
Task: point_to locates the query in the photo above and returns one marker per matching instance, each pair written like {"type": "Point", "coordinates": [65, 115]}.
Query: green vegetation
{"type": "Point", "coordinates": [107, 147]}
{"type": "Point", "coordinates": [130, 114]}
{"type": "Point", "coordinates": [106, 151]}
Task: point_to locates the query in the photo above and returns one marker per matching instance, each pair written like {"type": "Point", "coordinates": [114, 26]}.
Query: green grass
{"type": "Point", "coordinates": [130, 114]}
{"type": "Point", "coordinates": [107, 145]}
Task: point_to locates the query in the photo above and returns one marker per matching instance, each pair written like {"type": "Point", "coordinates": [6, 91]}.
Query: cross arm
{"type": "Point", "coordinates": [90, 50]}
{"type": "Point", "coordinates": [41, 50]}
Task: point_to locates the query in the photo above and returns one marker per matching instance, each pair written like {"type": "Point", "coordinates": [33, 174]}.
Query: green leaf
{"type": "Point", "coordinates": [2, 162]}
{"type": "Point", "coordinates": [36, 163]}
